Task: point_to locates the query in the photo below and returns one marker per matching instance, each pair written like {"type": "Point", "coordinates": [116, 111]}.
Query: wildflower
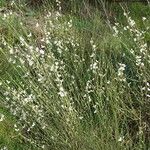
{"type": "Point", "coordinates": [57, 112]}
{"type": "Point", "coordinates": [52, 137]}
{"type": "Point", "coordinates": [125, 14]}
{"type": "Point", "coordinates": [43, 127]}
{"type": "Point", "coordinates": [80, 117]}
{"type": "Point", "coordinates": [21, 61]}
{"type": "Point", "coordinates": [16, 128]}
{"type": "Point", "coordinates": [1, 117]}
{"type": "Point", "coordinates": [125, 28]}
{"type": "Point", "coordinates": [121, 69]}
{"type": "Point", "coordinates": [131, 22]}
{"type": "Point", "coordinates": [29, 35]}
{"type": "Point", "coordinates": [143, 18]}
{"type": "Point", "coordinates": [108, 82]}
{"type": "Point", "coordinates": [10, 13]}
{"type": "Point", "coordinates": [21, 39]}
{"type": "Point", "coordinates": [70, 24]}
{"type": "Point", "coordinates": [30, 62]}
{"type": "Point", "coordinates": [139, 61]}
{"type": "Point", "coordinates": [132, 51]}
{"type": "Point", "coordinates": [42, 52]}
{"type": "Point", "coordinates": [37, 25]}
{"type": "Point", "coordinates": [43, 146]}
{"type": "Point", "coordinates": [147, 84]}
{"type": "Point", "coordinates": [115, 30]}
{"type": "Point", "coordinates": [92, 55]}
{"type": "Point", "coordinates": [4, 17]}
{"type": "Point", "coordinates": [62, 93]}
{"type": "Point", "coordinates": [148, 95]}
{"type": "Point", "coordinates": [94, 66]}
{"type": "Point", "coordinates": [95, 111]}
{"type": "Point", "coordinates": [31, 48]}
{"type": "Point", "coordinates": [121, 139]}
{"type": "Point", "coordinates": [12, 3]}
{"type": "Point", "coordinates": [11, 51]}
{"type": "Point", "coordinates": [4, 148]}
{"type": "Point", "coordinates": [121, 72]}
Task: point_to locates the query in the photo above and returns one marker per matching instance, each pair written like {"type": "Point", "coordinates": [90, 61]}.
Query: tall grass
{"type": "Point", "coordinates": [73, 83]}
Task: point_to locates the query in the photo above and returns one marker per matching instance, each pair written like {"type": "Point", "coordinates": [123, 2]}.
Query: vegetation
{"type": "Point", "coordinates": [74, 77]}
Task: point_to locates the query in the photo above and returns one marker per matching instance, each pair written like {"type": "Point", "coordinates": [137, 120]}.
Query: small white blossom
{"type": "Point", "coordinates": [121, 72]}
{"type": "Point", "coordinates": [143, 18]}
{"type": "Point", "coordinates": [29, 35]}
{"type": "Point", "coordinates": [115, 30]}
{"type": "Point", "coordinates": [1, 117]}
{"type": "Point", "coordinates": [37, 25]}
{"type": "Point", "coordinates": [42, 52]}
{"type": "Point", "coordinates": [80, 117]}
{"type": "Point", "coordinates": [121, 139]}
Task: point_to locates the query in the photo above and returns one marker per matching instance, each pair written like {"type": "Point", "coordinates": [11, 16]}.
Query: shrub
{"type": "Point", "coordinates": [81, 86]}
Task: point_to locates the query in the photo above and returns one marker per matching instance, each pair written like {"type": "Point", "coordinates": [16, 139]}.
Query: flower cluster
{"type": "Point", "coordinates": [121, 72]}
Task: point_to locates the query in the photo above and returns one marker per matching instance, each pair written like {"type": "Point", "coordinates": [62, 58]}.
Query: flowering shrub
{"type": "Point", "coordinates": [69, 89]}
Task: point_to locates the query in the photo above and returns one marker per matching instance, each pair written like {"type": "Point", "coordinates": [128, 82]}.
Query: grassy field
{"type": "Point", "coordinates": [74, 77]}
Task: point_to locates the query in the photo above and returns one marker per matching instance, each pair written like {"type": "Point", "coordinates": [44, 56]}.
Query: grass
{"type": "Point", "coordinates": [71, 81]}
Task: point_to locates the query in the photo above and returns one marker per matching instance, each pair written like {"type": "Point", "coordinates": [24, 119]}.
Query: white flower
{"type": "Point", "coordinates": [94, 65]}
{"type": "Point", "coordinates": [108, 82]}
{"type": "Point", "coordinates": [125, 28]}
{"type": "Point", "coordinates": [30, 62]}
{"type": "Point", "coordinates": [143, 18]}
{"type": "Point", "coordinates": [21, 39]}
{"type": "Point", "coordinates": [121, 72]}
{"type": "Point", "coordinates": [37, 25]}
{"type": "Point", "coordinates": [125, 14]}
{"type": "Point", "coordinates": [29, 35]}
{"type": "Point", "coordinates": [43, 146]}
{"type": "Point", "coordinates": [131, 22]}
{"type": "Point", "coordinates": [52, 137]}
{"type": "Point", "coordinates": [5, 16]}
{"type": "Point", "coordinates": [148, 95]}
{"type": "Point", "coordinates": [1, 117]}
{"type": "Point", "coordinates": [80, 117]}
{"type": "Point", "coordinates": [120, 139]}
{"type": "Point", "coordinates": [4, 148]}
{"type": "Point", "coordinates": [43, 127]}
{"type": "Point", "coordinates": [12, 3]}
{"type": "Point", "coordinates": [115, 30]}
{"type": "Point", "coordinates": [10, 13]}
{"type": "Point", "coordinates": [122, 67]}
{"type": "Point", "coordinates": [42, 52]}
{"type": "Point", "coordinates": [94, 46]}
{"type": "Point", "coordinates": [62, 93]}
{"type": "Point", "coordinates": [11, 51]}
{"type": "Point", "coordinates": [95, 111]}
{"type": "Point", "coordinates": [147, 84]}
